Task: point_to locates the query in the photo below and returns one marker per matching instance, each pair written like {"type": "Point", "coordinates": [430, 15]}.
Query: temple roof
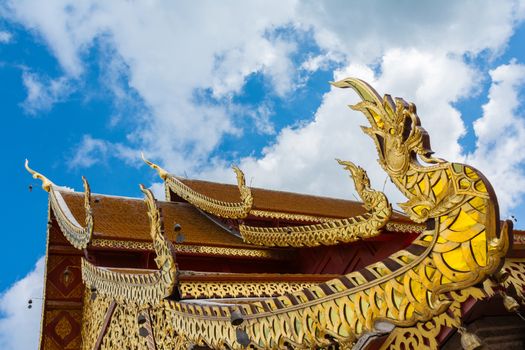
{"type": "Point", "coordinates": [280, 201]}
{"type": "Point", "coordinates": [349, 277]}
{"type": "Point", "coordinates": [286, 202]}
{"type": "Point", "coordinates": [127, 218]}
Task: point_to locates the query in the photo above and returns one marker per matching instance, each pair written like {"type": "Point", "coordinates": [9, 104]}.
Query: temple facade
{"type": "Point", "coordinates": [231, 267]}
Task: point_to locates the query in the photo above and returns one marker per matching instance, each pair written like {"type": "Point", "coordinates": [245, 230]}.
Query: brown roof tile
{"type": "Point", "coordinates": [281, 201]}
{"type": "Point", "coordinates": [127, 218]}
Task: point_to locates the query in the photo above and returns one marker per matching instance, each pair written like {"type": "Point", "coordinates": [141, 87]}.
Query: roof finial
{"type": "Point", "coordinates": [246, 193]}
{"type": "Point", "coordinates": [46, 183]}
{"type": "Point", "coordinates": [162, 173]}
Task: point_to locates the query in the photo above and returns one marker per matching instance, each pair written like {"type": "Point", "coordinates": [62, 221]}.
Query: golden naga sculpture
{"type": "Point", "coordinates": [333, 231]}
{"type": "Point", "coordinates": [461, 246]}
{"type": "Point", "coordinates": [230, 210]}
{"type": "Point", "coordinates": [77, 235]}
{"type": "Point", "coordinates": [139, 288]}
{"type": "Point", "coordinates": [459, 249]}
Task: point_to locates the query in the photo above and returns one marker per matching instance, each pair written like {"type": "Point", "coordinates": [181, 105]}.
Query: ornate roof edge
{"type": "Point", "coordinates": [230, 210]}
{"type": "Point", "coordinates": [270, 214]}
{"type": "Point", "coordinates": [416, 284]}
{"type": "Point", "coordinates": [256, 253]}
{"type": "Point", "coordinates": [140, 288]}
{"type": "Point", "coordinates": [240, 210]}
{"type": "Point", "coordinates": [77, 235]}
{"type": "Point", "coordinates": [461, 247]}
{"type": "Point", "coordinates": [335, 231]}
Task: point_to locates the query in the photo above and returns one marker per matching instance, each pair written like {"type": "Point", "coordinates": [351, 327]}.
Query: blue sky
{"type": "Point", "coordinates": [85, 86]}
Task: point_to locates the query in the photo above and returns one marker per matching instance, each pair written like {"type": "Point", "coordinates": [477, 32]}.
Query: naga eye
{"type": "Point", "coordinates": [392, 131]}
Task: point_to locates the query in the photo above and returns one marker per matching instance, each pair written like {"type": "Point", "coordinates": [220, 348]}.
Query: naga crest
{"type": "Point", "coordinates": [394, 127]}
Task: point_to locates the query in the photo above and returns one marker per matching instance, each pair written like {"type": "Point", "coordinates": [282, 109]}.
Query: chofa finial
{"type": "Point", "coordinates": [162, 173]}
{"type": "Point", "coordinates": [46, 183]}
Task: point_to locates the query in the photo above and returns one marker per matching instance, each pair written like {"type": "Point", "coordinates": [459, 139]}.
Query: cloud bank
{"type": "Point", "coordinates": [170, 54]}
{"type": "Point", "coordinates": [19, 326]}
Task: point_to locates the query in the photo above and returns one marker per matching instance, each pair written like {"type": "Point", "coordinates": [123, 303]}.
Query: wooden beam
{"type": "Point", "coordinates": [105, 325]}
{"type": "Point", "coordinates": [150, 339]}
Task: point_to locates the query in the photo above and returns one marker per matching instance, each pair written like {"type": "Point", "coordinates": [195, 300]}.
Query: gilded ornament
{"type": "Point", "coordinates": [196, 249]}
{"type": "Point", "coordinates": [230, 210]}
{"type": "Point", "coordinates": [461, 246]}
{"type": "Point", "coordinates": [332, 232]}
{"type": "Point", "coordinates": [77, 235]}
{"type": "Point", "coordinates": [139, 288]}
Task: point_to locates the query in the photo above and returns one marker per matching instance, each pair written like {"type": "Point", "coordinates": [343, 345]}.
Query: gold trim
{"type": "Point", "coordinates": [230, 210]}
{"type": "Point", "coordinates": [519, 238]}
{"type": "Point", "coordinates": [391, 226]}
{"type": "Point", "coordinates": [195, 249]}
{"type": "Point", "coordinates": [289, 216]}
{"type": "Point", "coordinates": [424, 335]}
{"type": "Point", "coordinates": [139, 288]}
{"type": "Point", "coordinates": [77, 235]}
{"type": "Point", "coordinates": [234, 289]}
{"type": "Point", "coordinates": [335, 231]}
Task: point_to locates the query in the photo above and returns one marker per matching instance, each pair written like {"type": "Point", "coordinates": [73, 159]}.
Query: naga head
{"type": "Point", "coordinates": [394, 127]}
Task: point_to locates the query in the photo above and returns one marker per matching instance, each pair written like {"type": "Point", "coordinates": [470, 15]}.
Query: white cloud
{"type": "Point", "coordinates": [91, 151]}
{"type": "Point", "coordinates": [5, 37]}
{"type": "Point", "coordinates": [43, 93]}
{"type": "Point", "coordinates": [419, 59]}
{"type": "Point", "coordinates": [170, 52]}
{"type": "Point", "coordinates": [501, 136]}
{"type": "Point", "coordinates": [158, 191]}
{"type": "Point", "coordinates": [366, 30]}
{"type": "Point", "coordinates": [20, 326]}
{"type": "Point", "coordinates": [302, 159]}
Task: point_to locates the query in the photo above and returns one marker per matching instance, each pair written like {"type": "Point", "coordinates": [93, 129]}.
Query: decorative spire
{"type": "Point", "coordinates": [162, 173]}
{"type": "Point", "coordinates": [46, 183]}
{"type": "Point", "coordinates": [231, 210]}
{"type": "Point", "coordinates": [77, 235]}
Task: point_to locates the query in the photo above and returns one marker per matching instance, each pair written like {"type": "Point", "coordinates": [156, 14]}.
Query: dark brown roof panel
{"type": "Point", "coordinates": [280, 201]}
{"type": "Point", "coordinates": [127, 218]}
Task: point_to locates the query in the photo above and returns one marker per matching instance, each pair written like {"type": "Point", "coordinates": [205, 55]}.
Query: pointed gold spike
{"type": "Point", "coordinates": [365, 91]}
{"type": "Point", "coordinates": [246, 193]}
{"type": "Point", "coordinates": [46, 183]}
{"type": "Point", "coordinates": [241, 180]}
{"type": "Point", "coordinates": [162, 173]}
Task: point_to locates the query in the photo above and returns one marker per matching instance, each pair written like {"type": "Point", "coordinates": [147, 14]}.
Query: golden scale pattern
{"type": "Point", "coordinates": [140, 288]}
{"type": "Point", "coordinates": [229, 210]}
{"type": "Point", "coordinates": [404, 228]}
{"type": "Point", "coordinates": [77, 235]}
{"type": "Point", "coordinates": [423, 334]}
{"type": "Point", "coordinates": [334, 231]}
{"type": "Point", "coordinates": [168, 321]}
{"type": "Point", "coordinates": [459, 249]}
